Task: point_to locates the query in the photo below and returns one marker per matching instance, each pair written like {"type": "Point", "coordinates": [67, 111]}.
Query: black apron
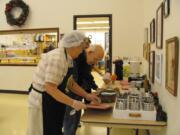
{"type": "Point", "coordinates": [53, 111]}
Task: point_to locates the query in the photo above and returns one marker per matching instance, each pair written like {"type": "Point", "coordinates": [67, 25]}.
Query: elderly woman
{"type": "Point", "coordinates": [47, 99]}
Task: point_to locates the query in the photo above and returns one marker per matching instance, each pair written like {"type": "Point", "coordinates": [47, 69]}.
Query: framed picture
{"type": "Point", "coordinates": [158, 68]}
{"type": "Point", "coordinates": [172, 48]}
{"type": "Point", "coordinates": [145, 51]}
{"type": "Point", "coordinates": [145, 35]}
{"type": "Point", "coordinates": [159, 27]}
{"type": "Point", "coordinates": [148, 51]}
{"type": "Point", "coordinates": [151, 66]}
{"type": "Point", "coordinates": [166, 8]}
{"type": "Point", "coordinates": [152, 31]}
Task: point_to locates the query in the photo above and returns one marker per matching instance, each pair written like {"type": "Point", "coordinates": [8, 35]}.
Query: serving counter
{"type": "Point", "coordinates": [104, 118]}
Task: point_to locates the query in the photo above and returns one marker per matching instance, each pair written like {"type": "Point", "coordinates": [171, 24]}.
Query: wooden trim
{"type": "Point", "coordinates": [18, 31]}
{"type": "Point", "coordinates": [33, 65]}
{"type": "Point", "coordinates": [110, 30]}
{"type": "Point", "coordinates": [13, 91]}
{"type": "Point", "coordinates": [110, 41]}
{"type": "Point", "coordinates": [74, 22]}
{"type": "Point", "coordinates": [56, 29]}
{"type": "Point", "coordinates": [93, 15]}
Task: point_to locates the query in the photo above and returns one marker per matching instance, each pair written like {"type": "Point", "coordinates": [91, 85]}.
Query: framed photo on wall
{"type": "Point", "coordinates": [151, 66]}
{"type": "Point", "coordinates": [152, 31]}
{"type": "Point", "coordinates": [172, 54]}
{"type": "Point", "coordinates": [166, 8]}
{"type": "Point", "coordinates": [144, 51]}
{"type": "Point", "coordinates": [159, 27]}
{"type": "Point", "coordinates": [148, 51]}
{"type": "Point", "coordinates": [158, 68]}
{"type": "Point", "coordinates": [145, 35]}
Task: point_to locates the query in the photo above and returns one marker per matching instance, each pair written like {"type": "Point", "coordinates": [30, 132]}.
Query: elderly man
{"type": "Point", "coordinates": [47, 99]}
{"type": "Point", "coordinates": [84, 64]}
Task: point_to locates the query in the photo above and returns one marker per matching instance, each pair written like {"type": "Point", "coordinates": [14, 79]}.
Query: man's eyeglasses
{"type": "Point", "coordinates": [87, 40]}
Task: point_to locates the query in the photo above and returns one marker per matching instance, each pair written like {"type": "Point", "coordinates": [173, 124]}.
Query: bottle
{"type": "Point", "coordinates": [126, 68]}
{"type": "Point", "coordinates": [145, 84]}
{"type": "Point", "coordinates": [118, 70]}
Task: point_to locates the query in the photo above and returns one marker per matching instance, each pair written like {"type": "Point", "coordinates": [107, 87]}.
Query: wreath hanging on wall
{"type": "Point", "coordinates": [11, 19]}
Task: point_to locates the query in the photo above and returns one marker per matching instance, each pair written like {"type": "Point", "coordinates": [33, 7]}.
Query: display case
{"type": "Point", "coordinates": [25, 46]}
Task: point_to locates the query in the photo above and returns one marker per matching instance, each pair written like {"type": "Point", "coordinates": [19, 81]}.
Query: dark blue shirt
{"type": "Point", "coordinates": [83, 74]}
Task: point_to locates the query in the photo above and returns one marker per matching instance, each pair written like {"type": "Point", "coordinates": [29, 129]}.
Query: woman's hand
{"type": "Point", "coordinates": [94, 98]}
{"type": "Point", "coordinates": [78, 105]}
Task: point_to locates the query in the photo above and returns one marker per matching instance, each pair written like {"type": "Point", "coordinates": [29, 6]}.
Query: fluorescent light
{"type": "Point", "coordinates": [85, 28]}
{"type": "Point", "coordinates": [94, 22]}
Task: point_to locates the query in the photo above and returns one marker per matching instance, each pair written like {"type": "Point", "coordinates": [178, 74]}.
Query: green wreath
{"type": "Point", "coordinates": [11, 20]}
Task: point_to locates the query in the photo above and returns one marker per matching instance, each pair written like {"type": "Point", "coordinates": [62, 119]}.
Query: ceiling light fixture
{"type": "Point", "coordinates": [93, 22]}
{"type": "Point", "coordinates": [92, 28]}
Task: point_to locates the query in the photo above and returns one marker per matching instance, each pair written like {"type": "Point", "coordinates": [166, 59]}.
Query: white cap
{"type": "Point", "coordinates": [72, 39]}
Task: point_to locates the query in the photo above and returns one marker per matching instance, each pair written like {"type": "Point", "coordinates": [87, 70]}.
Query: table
{"type": "Point", "coordinates": [104, 118]}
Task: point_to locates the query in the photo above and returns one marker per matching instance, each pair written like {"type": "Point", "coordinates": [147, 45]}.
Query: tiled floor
{"type": "Point", "coordinates": [13, 114]}
{"type": "Point", "coordinates": [13, 117]}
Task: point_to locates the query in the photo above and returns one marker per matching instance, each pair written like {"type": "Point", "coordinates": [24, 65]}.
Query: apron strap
{"type": "Point", "coordinates": [65, 52]}
{"type": "Point", "coordinates": [32, 88]}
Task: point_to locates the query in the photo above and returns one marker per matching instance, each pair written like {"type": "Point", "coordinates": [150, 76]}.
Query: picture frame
{"type": "Point", "coordinates": [34, 42]}
{"type": "Point", "coordinates": [166, 8]}
{"type": "Point", "coordinates": [145, 35]}
{"type": "Point", "coordinates": [158, 67]}
{"type": "Point", "coordinates": [159, 27]}
{"type": "Point", "coordinates": [152, 31]}
{"type": "Point", "coordinates": [172, 54]}
{"type": "Point", "coordinates": [146, 50]}
{"type": "Point", "coordinates": [151, 66]}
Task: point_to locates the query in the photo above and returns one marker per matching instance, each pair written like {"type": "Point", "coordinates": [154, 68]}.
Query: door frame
{"type": "Point", "coordinates": [110, 30]}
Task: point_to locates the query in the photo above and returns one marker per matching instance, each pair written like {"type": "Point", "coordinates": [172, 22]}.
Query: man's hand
{"type": "Point", "coordinates": [94, 98]}
{"type": "Point", "coordinates": [78, 105]}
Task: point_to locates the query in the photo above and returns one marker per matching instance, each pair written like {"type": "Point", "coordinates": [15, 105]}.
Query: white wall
{"type": "Point", "coordinates": [16, 78]}
{"type": "Point", "coordinates": [127, 24]}
{"type": "Point", "coordinates": [171, 28]}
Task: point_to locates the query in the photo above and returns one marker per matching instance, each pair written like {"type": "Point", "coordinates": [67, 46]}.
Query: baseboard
{"type": "Point", "coordinates": [13, 91]}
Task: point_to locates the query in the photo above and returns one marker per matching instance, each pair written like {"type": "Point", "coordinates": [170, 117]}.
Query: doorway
{"type": "Point", "coordinates": [99, 29]}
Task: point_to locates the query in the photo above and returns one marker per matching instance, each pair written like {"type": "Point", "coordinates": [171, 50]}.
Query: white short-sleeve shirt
{"type": "Point", "coordinates": [52, 68]}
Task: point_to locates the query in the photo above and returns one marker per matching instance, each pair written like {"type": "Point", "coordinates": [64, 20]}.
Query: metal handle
{"type": "Point", "coordinates": [134, 115]}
